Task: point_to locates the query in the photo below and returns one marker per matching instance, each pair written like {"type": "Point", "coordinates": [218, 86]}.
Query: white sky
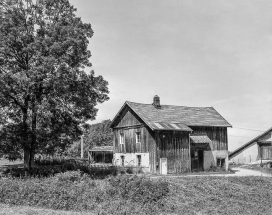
{"type": "Point", "coordinates": [190, 53]}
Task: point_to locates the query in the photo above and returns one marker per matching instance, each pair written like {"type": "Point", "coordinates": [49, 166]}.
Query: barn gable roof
{"type": "Point", "coordinates": [187, 116]}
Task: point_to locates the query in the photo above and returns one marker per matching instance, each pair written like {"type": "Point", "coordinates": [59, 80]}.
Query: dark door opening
{"type": "Point", "coordinates": [197, 160]}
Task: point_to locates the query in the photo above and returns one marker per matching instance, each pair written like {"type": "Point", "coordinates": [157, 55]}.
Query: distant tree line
{"type": "Point", "coordinates": [99, 134]}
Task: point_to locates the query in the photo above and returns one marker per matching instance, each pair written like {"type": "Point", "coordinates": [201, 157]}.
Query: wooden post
{"type": "Point", "coordinates": [261, 150]}
{"type": "Point", "coordinates": [189, 153]}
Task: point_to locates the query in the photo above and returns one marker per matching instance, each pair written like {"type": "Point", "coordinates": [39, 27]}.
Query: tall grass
{"type": "Point", "coordinates": [78, 192]}
{"type": "Point", "coordinates": [136, 195]}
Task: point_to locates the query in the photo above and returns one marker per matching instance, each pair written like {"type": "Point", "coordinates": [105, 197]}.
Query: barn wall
{"type": "Point", "coordinates": [218, 149]}
{"type": "Point", "coordinates": [174, 146]}
{"type": "Point", "coordinates": [218, 136]}
{"type": "Point", "coordinates": [129, 125]}
{"type": "Point", "coordinates": [264, 152]}
{"type": "Point", "coordinates": [211, 156]}
{"type": "Point", "coordinates": [130, 148]}
{"type": "Point", "coordinates": [131, 160]}
{"type": "Point", "coordinates": [129, 118]}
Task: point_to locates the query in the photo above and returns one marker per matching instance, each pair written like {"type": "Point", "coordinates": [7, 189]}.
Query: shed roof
{"type": "Point", "coordinates": [102, 148]}
{"type": "Point", "coordinates": [188, 116]}
{"type": "Point", "coordinates": [200, 139]}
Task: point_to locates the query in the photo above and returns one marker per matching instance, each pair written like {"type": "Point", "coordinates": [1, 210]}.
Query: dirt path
{"type": "Point", "coordinates": [24, 210]}
{"type": "Point", "coordinates": [238, 172]}
{"type": "Point", "coordinates": [248, 172]}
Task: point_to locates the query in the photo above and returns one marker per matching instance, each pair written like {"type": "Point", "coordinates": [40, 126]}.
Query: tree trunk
{"type": "Point", "coordinates": [25, 140]}
{"type": "Point", "coordinates": [33, 134]}
{"type": "Point", "coordinates": [27, 159]}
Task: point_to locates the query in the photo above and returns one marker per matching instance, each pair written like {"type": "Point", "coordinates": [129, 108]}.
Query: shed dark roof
{"type": "Point", "coordinates": [190, 116]}
{"type": "Point", "coordinates": [102, 148]}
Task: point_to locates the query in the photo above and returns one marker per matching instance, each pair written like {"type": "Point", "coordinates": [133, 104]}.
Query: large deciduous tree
{"type": "Point", "coordinates": [44, 92]}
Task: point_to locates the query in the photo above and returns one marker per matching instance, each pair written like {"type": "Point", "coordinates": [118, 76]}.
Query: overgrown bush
{"type": "Point", "coordinates": [139, 189]}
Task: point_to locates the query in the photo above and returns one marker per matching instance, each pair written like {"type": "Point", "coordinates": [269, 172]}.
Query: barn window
{"type": "Point", "coordinates": [220, 162]}
{"type": "Point", "coordinates": [139, 160]}
{"type": "Point", "coordinates": [138, 137]}
{"type": "Point", "coordinates": [122, 138]}
{"type": "Point", "coordinates": [122, 160]}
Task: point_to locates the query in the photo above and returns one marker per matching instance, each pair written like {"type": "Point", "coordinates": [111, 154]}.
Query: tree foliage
{"type": "Point", "coordinates": [45, 94]}
{"type": "Point", "coordinates": [99, 134]}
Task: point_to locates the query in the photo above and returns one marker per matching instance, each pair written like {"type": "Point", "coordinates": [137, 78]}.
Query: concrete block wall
{"type": "Point", "coordinates": [211, 156]}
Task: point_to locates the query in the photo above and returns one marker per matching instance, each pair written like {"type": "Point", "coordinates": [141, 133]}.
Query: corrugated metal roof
{"type": "Point", "coordinates": [102, 148]}
{"type": "Point", "coordinates": [200, 139]}
{"type": "Point", "coordinates": [189, 116]}
{"type": "Point", "coordinates": [169, 126]}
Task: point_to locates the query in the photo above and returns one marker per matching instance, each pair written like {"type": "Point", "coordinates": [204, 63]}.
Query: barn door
{"type": "Point", "coordinates": [197, 159]}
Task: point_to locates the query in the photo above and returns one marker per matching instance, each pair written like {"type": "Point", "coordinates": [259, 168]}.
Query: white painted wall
{"type": "Point", "coordinates": [131, 159]}
{"type": "Point", "coordinates": [211, 156]}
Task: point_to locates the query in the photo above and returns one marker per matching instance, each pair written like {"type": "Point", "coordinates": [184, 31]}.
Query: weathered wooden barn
{"type": "Point", "coordinates": [191, 138]}
{"type": "Point", "coordinates": [264, 146]}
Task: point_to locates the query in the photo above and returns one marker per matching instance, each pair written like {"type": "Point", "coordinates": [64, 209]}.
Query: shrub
{"type": "Point", "coordinates": [129, 170]}
{"type": "Point", "coordinates": [139, 189]}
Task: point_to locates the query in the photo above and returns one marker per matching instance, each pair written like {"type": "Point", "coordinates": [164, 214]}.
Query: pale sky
{"type": "Point", "coordinates": [190, 53]}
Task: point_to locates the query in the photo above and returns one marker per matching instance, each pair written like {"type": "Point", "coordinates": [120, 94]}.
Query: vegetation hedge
{"type": "Point", "coordinates": [47, 168]}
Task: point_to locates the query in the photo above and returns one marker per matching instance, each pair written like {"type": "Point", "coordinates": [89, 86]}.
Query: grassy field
{"type": "Point", "coordinates": [134, 195]}
{"type": "Point", "coordinates": [74, 193]}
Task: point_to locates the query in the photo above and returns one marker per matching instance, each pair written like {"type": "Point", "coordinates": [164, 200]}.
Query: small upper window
{"type": "Point", "coordinates": [122, 138]}
{"type": "Point", "coordinates": [138, 137]}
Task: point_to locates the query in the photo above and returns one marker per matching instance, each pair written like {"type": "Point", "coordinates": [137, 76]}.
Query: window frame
{"type": "Point", "coordinates": [122, 138]}
{"type": "Point", "coordinates": [220, 162]}
{"type": "Point", "coordinates": [138, 137]}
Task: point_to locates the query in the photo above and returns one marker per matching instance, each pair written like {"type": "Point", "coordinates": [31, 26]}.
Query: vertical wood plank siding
{"type": "Point", "coordinates": [129, 118]}
{"type": "Point", "coordinates": [218, 136]}
{"type": "Point", "coordinates": [173, 145]}
{"type": "Point", "coordinates": [129, 125]}
{"type": "Point", "coordinates": [264, 152]}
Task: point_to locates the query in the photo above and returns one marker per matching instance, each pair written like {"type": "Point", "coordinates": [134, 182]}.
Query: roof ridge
{"type": "Point", "coordinates": [169, 105]}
